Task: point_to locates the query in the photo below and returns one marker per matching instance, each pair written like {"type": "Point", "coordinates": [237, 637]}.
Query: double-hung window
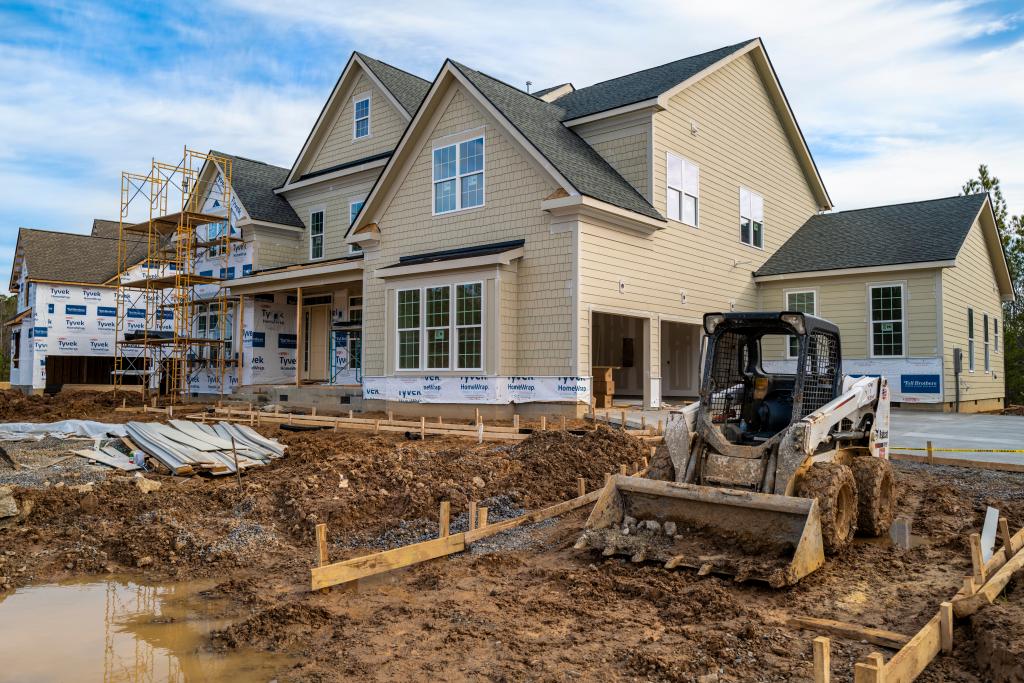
{"type": "Point", "coordinates": [441, 327]}
{"type": "Point", "coordinates": [887, 320]}
{"type": "Point", "coordinates": [316, 235]}
{"type": "Point", "coordinates": [802, 302]}
{"type": "Point", "coordinates": [751, 218]}
{"type": "Point", "coordinates": [984, 339]}
{"type": "Point", "coordinates": [995, 333]}
{"type": "Point", "coordinates": [682, 190]}
{"type": "Point", "coordinates": [354, 207]}
{"type": "Point", "coordinates": [459, 176]}
{"type": "Point", "coordinates": [970, 339]}
{"type": "Point", "coordinates": [361, 118]}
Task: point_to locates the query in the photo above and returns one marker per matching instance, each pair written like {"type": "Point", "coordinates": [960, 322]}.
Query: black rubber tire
{"type": "Point", "coordinates": [835, 488]}
{"type": "Point", "coordinates": [660, 467]}
{"type": "Point", "coordinates": [876, 495]}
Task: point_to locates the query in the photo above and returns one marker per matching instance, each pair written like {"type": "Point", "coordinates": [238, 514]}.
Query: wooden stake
{"type": "Point", "coordinates": [391, 417]}
{"type": "Point", "coordinates": [643, 422]}
{"type": "Point", "coordinates": [623, 425]}
{"type": "Point", "coordinates": [337, 424]}
{"type": "Point", "coordinates": [423, 428]}
{"type": "Point", "coordinates": [376, 426]}
{"type": "Point", "coordinates": [946, 626]}
{"type": "Point", "coordinates": [822, 660]}
{"type": "Point", "coordinates": [321, 544]}
{"type": "Point", "coordinates": [481, 517]}
{"type": "Point", "coordinates": [1004, 534]}
{"type": "Point", "coordinates": [477, 410]}
{"type": "Point", "coordinates": [472, 515]}
{"type": "Point", "coordinates": [969, 588]}
{"type": "Point", "coordinates": [563, 423]}
{"type": "Point", "coordinates": [543, 423]}
{"type": "Point", "coordinates": [443, 519]}
{"type": "Point", "coordinates": [977, 559]}
{"type": "Point", "coordinates": [313, 413]}
{"type": "Point", "coordinates": [350, 414]}
{"type": "Point", "coordinates": [931, 454]}
{"type": "Point", "coordinates": [871, 670]}
{"type": "Point", "coordinates": [581, 486]}
{"type": "Point", "coordinates": [660, 431]}
{"type": "Point", "coordinates": [515, 420]}
{"type": "Point", "coordinates": [623, 470]}
{"type": "Point", "coordinates": [440, 420]}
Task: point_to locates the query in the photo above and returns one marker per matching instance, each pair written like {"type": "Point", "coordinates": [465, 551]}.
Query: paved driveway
{"type": "Point", "coordinates": [952, 430]}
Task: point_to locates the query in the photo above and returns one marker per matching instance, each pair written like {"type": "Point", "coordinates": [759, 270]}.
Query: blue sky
{"type": "Point", "coordinates": [899, 100]}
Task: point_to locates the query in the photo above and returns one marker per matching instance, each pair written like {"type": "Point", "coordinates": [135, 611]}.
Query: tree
{"type": "Point", "coordinates": [1011, 233]}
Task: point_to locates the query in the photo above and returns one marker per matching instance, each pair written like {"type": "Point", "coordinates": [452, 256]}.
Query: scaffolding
{"type": "Point", "coordinates": [174, 324]}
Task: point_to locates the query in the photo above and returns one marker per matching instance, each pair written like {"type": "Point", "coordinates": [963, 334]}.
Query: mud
{"type": "Point", "coordinates": [532, 609]}
{"type": "Point", "coordinates": [999, 636]}
{"type": "Point", "coordinates": [86, 405]}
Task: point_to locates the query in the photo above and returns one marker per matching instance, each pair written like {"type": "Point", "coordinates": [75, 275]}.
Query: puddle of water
{"type": "Point", "coordinates": [117, 630]}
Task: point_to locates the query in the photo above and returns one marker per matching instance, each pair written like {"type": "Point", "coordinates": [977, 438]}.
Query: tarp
{"type": "Point", "coordinates": [16, 431]}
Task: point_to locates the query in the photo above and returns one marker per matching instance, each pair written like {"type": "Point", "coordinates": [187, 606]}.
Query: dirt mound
{"type": "Point", "coordinates": [17, 407]}
{"type": "Point", "coordinates": [999, 636]}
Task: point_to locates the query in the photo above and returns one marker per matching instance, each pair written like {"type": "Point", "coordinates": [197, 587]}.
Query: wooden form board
{"type": "Point", "coordinates": [959, 462]}
{"type": "Point", "coordinates": [842, 629]}
{"type": "Point", "coordinates": [377, 563]}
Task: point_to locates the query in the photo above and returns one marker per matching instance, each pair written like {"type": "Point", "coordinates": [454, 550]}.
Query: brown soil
{"type": "Point", "coordinates": [518, 607]}
{"type": "Point", "coordinates": [999, 637]}
{"type": "Point", "coordinates": [92, 405]}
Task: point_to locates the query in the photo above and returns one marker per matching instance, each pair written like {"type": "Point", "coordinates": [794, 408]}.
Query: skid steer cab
{"type": "Point", "coordinates": [781, 461]}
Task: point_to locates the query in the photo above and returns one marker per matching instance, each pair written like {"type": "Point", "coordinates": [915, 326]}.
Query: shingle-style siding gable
{"type": "Point", "coordinates": [338, 146]}
{"type": "Point", "coordinates": [537, 334]}
{"type": "Point", "coordinates": [625, 143]}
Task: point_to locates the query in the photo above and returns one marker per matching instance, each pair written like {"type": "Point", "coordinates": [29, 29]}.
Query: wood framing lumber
{"type": "Point", "coordinates": [915, 656]}
{"type": "Point", "coordinates": [959, 462]}
{"type": "Point", "coordinates": [986, 594]}
{"type": "Point", "coordinates": [977, 563]}
{"type": "Point", "coordinates": [443, 523]}
{"type": "Point", "coordinates": [321, 544]}
{"type": "Point", "coordinates": [361, 567]}
{"type": "Point", "coordinates": [946, 626]}
{"type": "Point", "coordinates": [843, 629]}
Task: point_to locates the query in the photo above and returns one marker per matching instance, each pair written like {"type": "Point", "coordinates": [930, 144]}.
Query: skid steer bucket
{"type": "Point", "coordinates": [747, 535]}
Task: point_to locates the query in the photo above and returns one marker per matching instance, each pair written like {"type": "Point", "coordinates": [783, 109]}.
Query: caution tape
{"type": "Point", "coordinates": [957, 450]}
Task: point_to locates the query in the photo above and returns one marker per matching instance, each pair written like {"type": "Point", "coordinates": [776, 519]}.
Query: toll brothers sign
{"type": "Point", "coordinates": [477, 389]}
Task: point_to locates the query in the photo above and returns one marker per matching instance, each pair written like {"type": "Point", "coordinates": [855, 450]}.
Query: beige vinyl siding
{"type": "Point", "coordinates": [740, 143]}
{"type": "Point", "coordinates": [274, 248]}
{"type": "Point", "coordinates": [843, 300]}
{"type": "Point", "coordinates": [334, 197]}
{"type": "Point", "coordinates": [337, 145]}
{"type": "Point", "coordinates": [625, 143]}
{"type": "Point", "coordinates": [972, 284]}
{"type": "Point", "coordinates": [540, 335]}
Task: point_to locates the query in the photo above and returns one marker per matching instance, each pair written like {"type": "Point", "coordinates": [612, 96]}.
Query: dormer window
{"type": "Point", "coordinates": [361, 118]}
{"type": "Point", "coordinates": [459, 176]}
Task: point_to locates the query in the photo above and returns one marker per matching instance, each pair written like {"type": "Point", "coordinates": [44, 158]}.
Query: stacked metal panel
{"type": "Point", "coordinates": [185, 447]}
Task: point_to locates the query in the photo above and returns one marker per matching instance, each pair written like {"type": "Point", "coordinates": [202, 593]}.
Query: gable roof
{"type": "Point", "coordinates": [409, 89]}
{"type": "Point", "coordinates": [917, 232]}
{"type": "Point", "coordinates": [105, 228]}
{"type": "Point", "coordinates": [640, 86]}
{"type": "Point", "coordinates": [72, 257]}
{"type": "Point", "coordinates": [405, 90]}
{"type": "Point", "coordinates": [254, 182]}
{"type": "Point", "coordinates": [541, 124]}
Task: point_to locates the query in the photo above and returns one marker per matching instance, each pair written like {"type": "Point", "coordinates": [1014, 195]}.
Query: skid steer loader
{"type": "Point", "coordinates": [780, 463]}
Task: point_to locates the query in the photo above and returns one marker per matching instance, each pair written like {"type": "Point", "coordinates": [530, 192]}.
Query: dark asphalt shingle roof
{"type": "Point", "coordinates": [462, 252]}
{"type": "Point", "coordinates": [917, 232]}
{"type": "Point", "coordinates": [638, 86]}
{"type": "Point", "coordinates": [540, 122]}
{"type": "Point", "coordinates": [73, 257]}
{"type": "Point", "coordinates": [105, 228]}
{"type": "Point", "coordinates": [254, 182]}
{"type": "Point", "coordinates": [407, 88]}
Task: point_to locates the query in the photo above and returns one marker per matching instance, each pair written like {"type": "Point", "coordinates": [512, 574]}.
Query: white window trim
{"type": "Point", "coordinates": [354, 248]}
{"type": "Point", "coordinates": [785, 307]}
{"type": "Point", "coordinates": [903, 319]}
{"type": "Point", "coordinates": [453, 327]}
{"type": "Point", "coordinates": [739, 199]}
{"type": "Point", "coordinates": [369, 115]}
{"type": "Point", "coordinates": [995, 334]}
{"type": "Point", "coordinates": [696, 223]}
{"type": "Point", "coordinates": [451, 141]}
{"type": "Point", "coordinates": [970, 338]}
{"type": "Point", "coordinates": [322, 210]}
{"type": "Point", "coordinates": [986, 353]}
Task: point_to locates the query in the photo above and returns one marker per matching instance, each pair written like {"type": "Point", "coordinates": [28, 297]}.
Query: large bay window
{"type": "Point", "coordinates": [886, 320]}
{"type": "Point", "coordinates": [430, 336]}
{"type": "Point", "coordinates": [682, 192]}
{"type": "Point", "coordinates": [459, 176]}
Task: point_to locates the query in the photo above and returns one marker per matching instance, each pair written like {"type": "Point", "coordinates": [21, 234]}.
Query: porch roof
{"type": "Point", "coordinates": [313, 274]}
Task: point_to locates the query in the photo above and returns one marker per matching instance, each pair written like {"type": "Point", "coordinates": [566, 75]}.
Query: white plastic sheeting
{"type": "Point", "coordinates": [15, 431]}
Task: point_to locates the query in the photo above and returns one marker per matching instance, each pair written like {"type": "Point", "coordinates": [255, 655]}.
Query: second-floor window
{"type": "Point", "coordinates": [316, 235]}
{"type": "Point", "coordinates": [751, 218]}
{"type": "Point", "coordinates": [361, 118]}
{"type": "Point", "coordinates": [459, 176]}
{"type": "Point", "coordinates": [683, 185]}
{"type": "Point", "coordinates": [353, 210]}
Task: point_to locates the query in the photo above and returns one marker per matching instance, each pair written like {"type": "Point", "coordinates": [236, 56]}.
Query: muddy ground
{"type": "Point", "coordinates": [521, 606]}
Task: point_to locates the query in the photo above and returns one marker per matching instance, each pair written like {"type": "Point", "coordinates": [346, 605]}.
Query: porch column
{"type": "Point", "coordinates": [299, 355]}
{"type": "Point", "coordinates": [652, 362]}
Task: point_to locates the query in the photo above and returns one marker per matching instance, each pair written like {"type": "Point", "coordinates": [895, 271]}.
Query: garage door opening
{"type": "Point", "coordinates": [617, 358]}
